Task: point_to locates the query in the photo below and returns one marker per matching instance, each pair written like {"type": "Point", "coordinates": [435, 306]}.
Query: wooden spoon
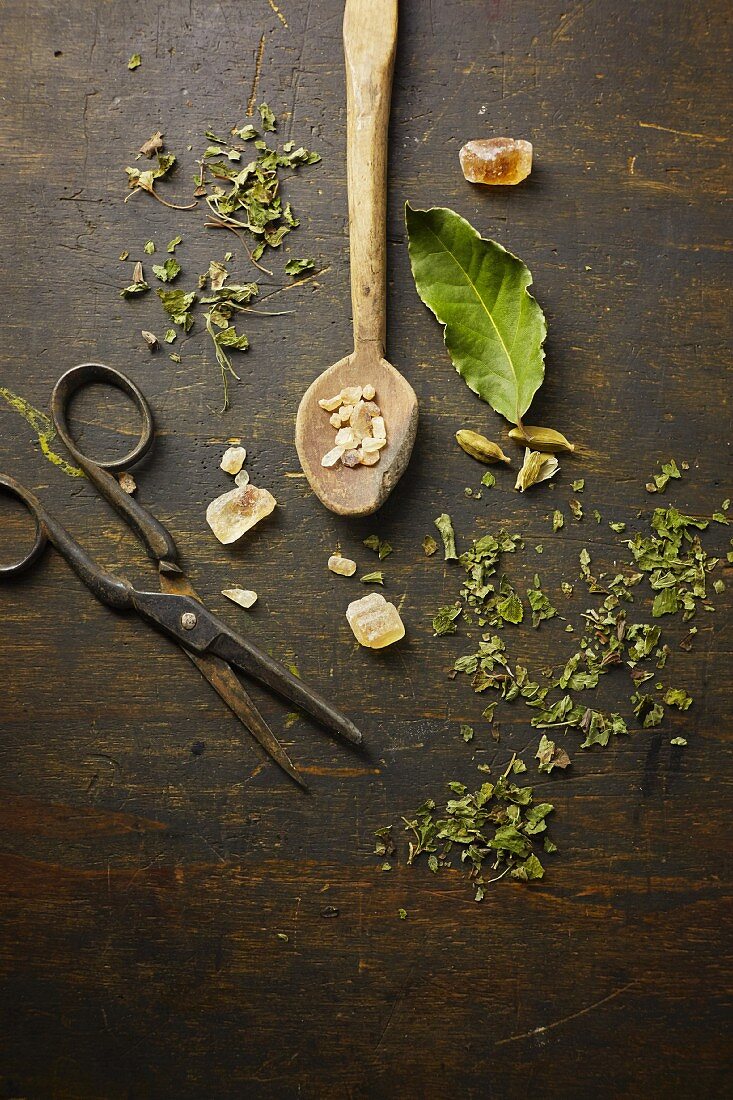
{"type": "Point", "coordinates": [370, 38]}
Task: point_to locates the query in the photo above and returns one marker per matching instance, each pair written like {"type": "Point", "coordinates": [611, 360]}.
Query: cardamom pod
{"type": "Point", "coordinates": [536, 467]}
{"type": "Point", "coordinates": [478, 446]}
{"type": "Point", "coordinates": [541, 439]}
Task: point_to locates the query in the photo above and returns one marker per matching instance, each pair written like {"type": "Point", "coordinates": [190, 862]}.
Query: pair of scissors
{"type": "Point", "coordinates": [176, 610]}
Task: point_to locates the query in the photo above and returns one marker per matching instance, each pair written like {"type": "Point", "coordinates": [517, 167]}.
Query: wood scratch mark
{"type": "Point", "coordinates": [297, 282]}
{"type": "Point", "coordinates": [567, 1019]}
{"type": "Point", "coordinates": [278, 13]}
{"type": "Point", "coordinates": [397, 1001]}
{"type": "Point", "coordinates": [256, 80]}
{"type": "Point", "coordinates": [447, 104]}
{"type": "Point", "coordinates": [341, 773]}
{"type": "Point", "coordinates": [295, 922]}
{"type": "Point", "coordinates": [567, 21]}
{"type": "Point", "coordinates": [681, 133]}
{"type": "Point", "coordinates": [658, 185]}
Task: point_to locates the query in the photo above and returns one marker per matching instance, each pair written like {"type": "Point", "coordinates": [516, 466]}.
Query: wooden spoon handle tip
{"type": "Point", "coordinates": [370, 39]}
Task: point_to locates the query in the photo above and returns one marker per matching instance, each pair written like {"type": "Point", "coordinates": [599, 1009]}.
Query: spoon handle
{"type": "Point", "coordinates": [370, 39]}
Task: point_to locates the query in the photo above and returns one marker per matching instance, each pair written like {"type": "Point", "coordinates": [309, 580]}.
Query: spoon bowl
{"type": "Point", "coordinates": [360, 490]}
{"type": "Point", "coordinates": [370, 39]}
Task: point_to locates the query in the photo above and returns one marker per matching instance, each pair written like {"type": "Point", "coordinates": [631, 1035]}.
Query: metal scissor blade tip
{"type": "Point", "coordinates": [352, 733]}
{"type": "Point", "coordinates": [168, 567]}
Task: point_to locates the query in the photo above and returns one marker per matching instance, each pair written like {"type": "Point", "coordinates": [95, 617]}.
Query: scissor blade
{"type": "Point", "coordinates": [226, 684]}
{"type": "Point", "coordinates": [241, 653]}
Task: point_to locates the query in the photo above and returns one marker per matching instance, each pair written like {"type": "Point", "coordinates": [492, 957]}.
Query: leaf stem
{"type": "Point", "coordinates": [223, 224]}
{"type": "Point", "coordinates": [164, 202]}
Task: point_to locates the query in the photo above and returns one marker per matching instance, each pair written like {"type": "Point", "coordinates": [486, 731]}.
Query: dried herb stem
{"type": "Point", "coordinates": [225, 363]}
{"type": "Point", "coordinates": [235, 227]}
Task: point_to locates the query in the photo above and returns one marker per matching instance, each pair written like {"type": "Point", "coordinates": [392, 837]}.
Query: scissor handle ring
{"type": "Point", "coordinates": [13, 488]}
{"type": "Point", "coordinates": [81, 375]}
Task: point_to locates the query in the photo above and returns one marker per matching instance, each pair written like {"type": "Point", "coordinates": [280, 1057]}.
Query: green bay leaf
{"type": "Point", "coordinates": [494, 328]}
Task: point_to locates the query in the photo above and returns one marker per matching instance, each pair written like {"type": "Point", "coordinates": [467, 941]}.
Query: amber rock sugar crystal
{"type": "Point", "coordinates": [500, 160]}
{"type": "Point", "coordinates": [375, 622]}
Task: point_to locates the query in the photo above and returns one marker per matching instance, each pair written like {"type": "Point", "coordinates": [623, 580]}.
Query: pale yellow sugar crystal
{"type": "Point", "coordinates": [350, 395]}
{"type": "Point", "coordinates": [345, 567]}
{"type": "Point", "coordinates": [233, 460]}
{"type": "Point", "coordinates": [360, 419]}
{"type": "Point", "coordinates": [235, 512]}
{"type": "Point", "coordinates": [345, 437]}
{"type": "Point", "coordinates": [378, 429]}
{"type": "Point", "coordinates": [332, 457]}
{"type": "Point", "coordinates": [330, 404]}
{"type": "Point", "coordinates": [372, 444]}
{"type": "Point", "coordinates": [245, 597]}
{"type": "Point", "coordinates": [375, 622]}
{"type": "Point", "coordinates": [241, 479]}
{"type": "Point", "coordinates": [360, 429]}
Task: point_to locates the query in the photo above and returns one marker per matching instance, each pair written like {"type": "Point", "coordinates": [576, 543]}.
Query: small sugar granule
{"type": "Point", "coordinates": [233, 460]}
{"type": "Point", "coordinates": [245, 597]}
{"type": "Point", "coordinates": [345, 567]}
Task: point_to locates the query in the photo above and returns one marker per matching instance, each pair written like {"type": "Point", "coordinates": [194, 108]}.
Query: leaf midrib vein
{"type": "Point", "coordinates": [473, 286]}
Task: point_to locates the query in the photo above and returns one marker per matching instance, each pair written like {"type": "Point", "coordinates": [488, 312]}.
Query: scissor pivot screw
{"type": "Point", "coordinates": [188, 620]}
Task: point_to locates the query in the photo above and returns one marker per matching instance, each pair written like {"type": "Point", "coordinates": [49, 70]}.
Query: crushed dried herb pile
{"type": "Point", "coordinates": [239, 179]}
{"type": "Point", "coordinates": [497, 827]}
{"type": "Point", "coordinates": [668, 573]}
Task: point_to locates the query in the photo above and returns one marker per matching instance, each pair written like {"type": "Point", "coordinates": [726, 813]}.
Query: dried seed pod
{"type": "Point", "coordinates": [150, 339]}
{"type": "Point", "coordinates": [541, 439]}
{"type": "Point", "coordinates": [536, 467]}
{"type": "Point", "coordinates": [235, 512]}
{"type": "Point", "coordinates": [478, 446]}
{"type": "Point", "coordinates": [245, 597]}
{"type": "Point", "coordinates": [344, 567]}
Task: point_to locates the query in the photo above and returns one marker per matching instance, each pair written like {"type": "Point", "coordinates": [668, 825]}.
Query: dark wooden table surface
{"type": "Point", "coordinates": [150, 855]}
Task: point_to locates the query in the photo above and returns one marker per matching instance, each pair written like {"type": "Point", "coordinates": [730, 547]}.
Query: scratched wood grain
{"type": "Point", "coordinates": [150, 855]}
